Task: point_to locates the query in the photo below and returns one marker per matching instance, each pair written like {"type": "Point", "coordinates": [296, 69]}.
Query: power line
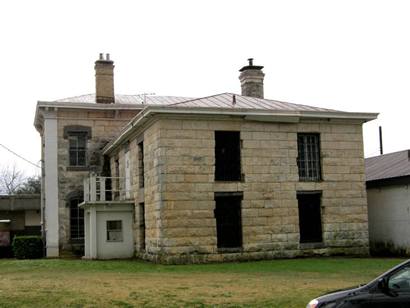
{"type": "Point", "coordinates": [19, 156]}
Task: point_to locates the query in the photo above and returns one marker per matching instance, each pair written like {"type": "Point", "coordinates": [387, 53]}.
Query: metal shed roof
{"type": "Point", "coordinates": [388, 166]}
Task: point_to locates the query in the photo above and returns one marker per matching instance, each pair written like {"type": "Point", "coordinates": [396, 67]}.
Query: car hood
{"type": "Point", "coordinates": [335, 295]}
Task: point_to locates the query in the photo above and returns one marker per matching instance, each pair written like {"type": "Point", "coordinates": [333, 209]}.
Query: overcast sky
{"type": "Point", "coordinates": [344, 55]}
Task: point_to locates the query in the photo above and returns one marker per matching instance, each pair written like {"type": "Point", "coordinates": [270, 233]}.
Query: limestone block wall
{"type": "Point", "coordinates": [151, 238]}
{"type": "Point", "coordinates": [105, 125]}
{"type": "Point", "coordinates": [179, 192]}
{"type": "Point", "coordinates": [188, 223]}
{"type": "Point", "coordinates": [270, 222]}
{"type": "Point", "coordinates": [153, 179]}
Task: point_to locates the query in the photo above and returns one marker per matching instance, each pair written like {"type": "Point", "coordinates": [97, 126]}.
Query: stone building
{"type": "Point", "coordinates": [224, 177]}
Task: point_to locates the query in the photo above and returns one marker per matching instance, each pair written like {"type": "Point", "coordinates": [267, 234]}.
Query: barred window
{"type": "Point", "coordinates": [114, 230]}
{"type": "Point", "coordinates": [76, 219]}
{"type": "Point", "coordinates": [77, 149]}
{"type": "Point", "coordinates": [309, 157]}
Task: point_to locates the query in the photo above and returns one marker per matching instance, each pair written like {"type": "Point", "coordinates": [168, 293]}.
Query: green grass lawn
{"type": "Point", "coordinates": [131, 283]}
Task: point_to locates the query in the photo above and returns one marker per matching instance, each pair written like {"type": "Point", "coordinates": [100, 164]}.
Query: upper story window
{"type": "Point", "coordinates": [77, 144]}
{"type": "Point", "coordinates": [141, 164]}
{"type": "Point", "coordinates": [227, 156]}
{"type": "Point", "coordinates": [78, 149]}
{"type": "Point", "coordinates": [309, 157]}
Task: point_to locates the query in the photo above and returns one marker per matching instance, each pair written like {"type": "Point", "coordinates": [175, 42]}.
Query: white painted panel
{"type": "Point", "coordinates": [389, 215]}
{"type": "Point", "coordinates": [114, 250]}
{"type": "Point", "coordinates": [87, 221]}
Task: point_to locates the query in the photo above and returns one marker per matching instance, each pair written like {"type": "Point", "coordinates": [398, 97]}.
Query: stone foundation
{"type": "Point", "coordinates": [252, 256]}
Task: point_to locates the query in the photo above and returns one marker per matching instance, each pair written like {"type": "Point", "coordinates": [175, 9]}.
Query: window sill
{"type": "Point", "coordinates": [310, 181]}
{"type": "Point", "coordinates": [230, 250]}
{"type": "Point", "coordinates": [229, 181]}
{"type": "Point", "coordinates": [78, 168]}
{"type": "Point", "coordinates": [314, 245]}
{"type": "Point", "coordinates": [76, 241]}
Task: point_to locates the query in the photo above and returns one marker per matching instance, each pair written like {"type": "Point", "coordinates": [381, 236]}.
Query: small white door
{"type": "Point", "coordinates": [127, 175]}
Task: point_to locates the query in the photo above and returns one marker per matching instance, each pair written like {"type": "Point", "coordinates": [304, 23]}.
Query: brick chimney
{"type": "Point", "coordinates": [104, 80]}
{"type": "Point", "coordinates": [251, 78]}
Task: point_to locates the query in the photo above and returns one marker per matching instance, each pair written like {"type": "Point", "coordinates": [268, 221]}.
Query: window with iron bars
{"type": "Point", "coordinates": [309, 157]}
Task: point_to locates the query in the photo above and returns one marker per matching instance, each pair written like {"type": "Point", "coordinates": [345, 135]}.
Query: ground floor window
{"type": "Point", "coordinates": [310, 219]}
{"type": "Point", "coordinates": [114, 230]}
{"type": "Point", "coordinates": [142, 226]}
{"type": "Point", "coordinates": [228, 220]}
{"type": "Point", "coordinates": [76, 219]}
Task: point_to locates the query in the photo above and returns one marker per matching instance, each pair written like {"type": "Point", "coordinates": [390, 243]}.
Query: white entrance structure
{"type": "Point", "coordinates": [108, 223]}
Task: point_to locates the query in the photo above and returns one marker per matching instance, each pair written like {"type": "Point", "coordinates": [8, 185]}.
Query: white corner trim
{"type": "Point", "coordinates": [51, 185]}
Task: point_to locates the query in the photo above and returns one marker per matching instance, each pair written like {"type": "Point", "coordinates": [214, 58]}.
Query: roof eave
{"type": "Point", "coordinates": [388, 181]}
{"type": "Point", "coordinates": [70, 105]}
{"type": "Point", "coordinates": [93, 106]}
{"type": "Point", "coordinates": [265, 112]}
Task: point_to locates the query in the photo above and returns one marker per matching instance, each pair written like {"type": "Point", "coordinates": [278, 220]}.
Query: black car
{"type": "Point", "coordinates": [392, 289]}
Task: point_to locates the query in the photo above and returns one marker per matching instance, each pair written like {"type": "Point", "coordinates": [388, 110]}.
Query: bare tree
{"type": "Point", "coordinates": [11, 179]}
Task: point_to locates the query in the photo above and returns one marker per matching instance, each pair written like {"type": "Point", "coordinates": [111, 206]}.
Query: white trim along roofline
{"type": "Point", "coordinates": [88, 105]}
{"type": "Point", "coordinates": [68, 105]}
{"type": "Point", "coordinates": [278, 116]}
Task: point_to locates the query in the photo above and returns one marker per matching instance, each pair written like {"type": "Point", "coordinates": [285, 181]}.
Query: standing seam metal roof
{"type": "Point", "coordinates": [230, 100]}
{"type": "Point", "coordinates": [224, 100]}
{"type": "Point", "coordinates": [128, 99]}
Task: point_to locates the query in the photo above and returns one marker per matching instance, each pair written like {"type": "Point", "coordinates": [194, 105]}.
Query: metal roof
{"type": "Point", "coordinates": [224, 100]}
{"type": "Point", "coordinates": [388, 166]}
{"type": "Point", "coordinates": [128, 99]}
{"type": "Point", "coordinates": [235, 101]}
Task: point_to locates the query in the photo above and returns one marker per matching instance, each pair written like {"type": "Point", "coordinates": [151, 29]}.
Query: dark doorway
{"type": "Point", "coordinates": [227, 156]}
{"type": "Point", "coordinates": [310, 220]}
{"type": "Point", "coordinates": [228, 220]}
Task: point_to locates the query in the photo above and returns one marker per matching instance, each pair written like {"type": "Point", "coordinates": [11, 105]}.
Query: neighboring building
{"type": "Point", "coordinates": [19, 215]}
{"type": "Point", "coordinates": [387, 181]}
{"type": "Point", "coordinates": [224, 177]}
